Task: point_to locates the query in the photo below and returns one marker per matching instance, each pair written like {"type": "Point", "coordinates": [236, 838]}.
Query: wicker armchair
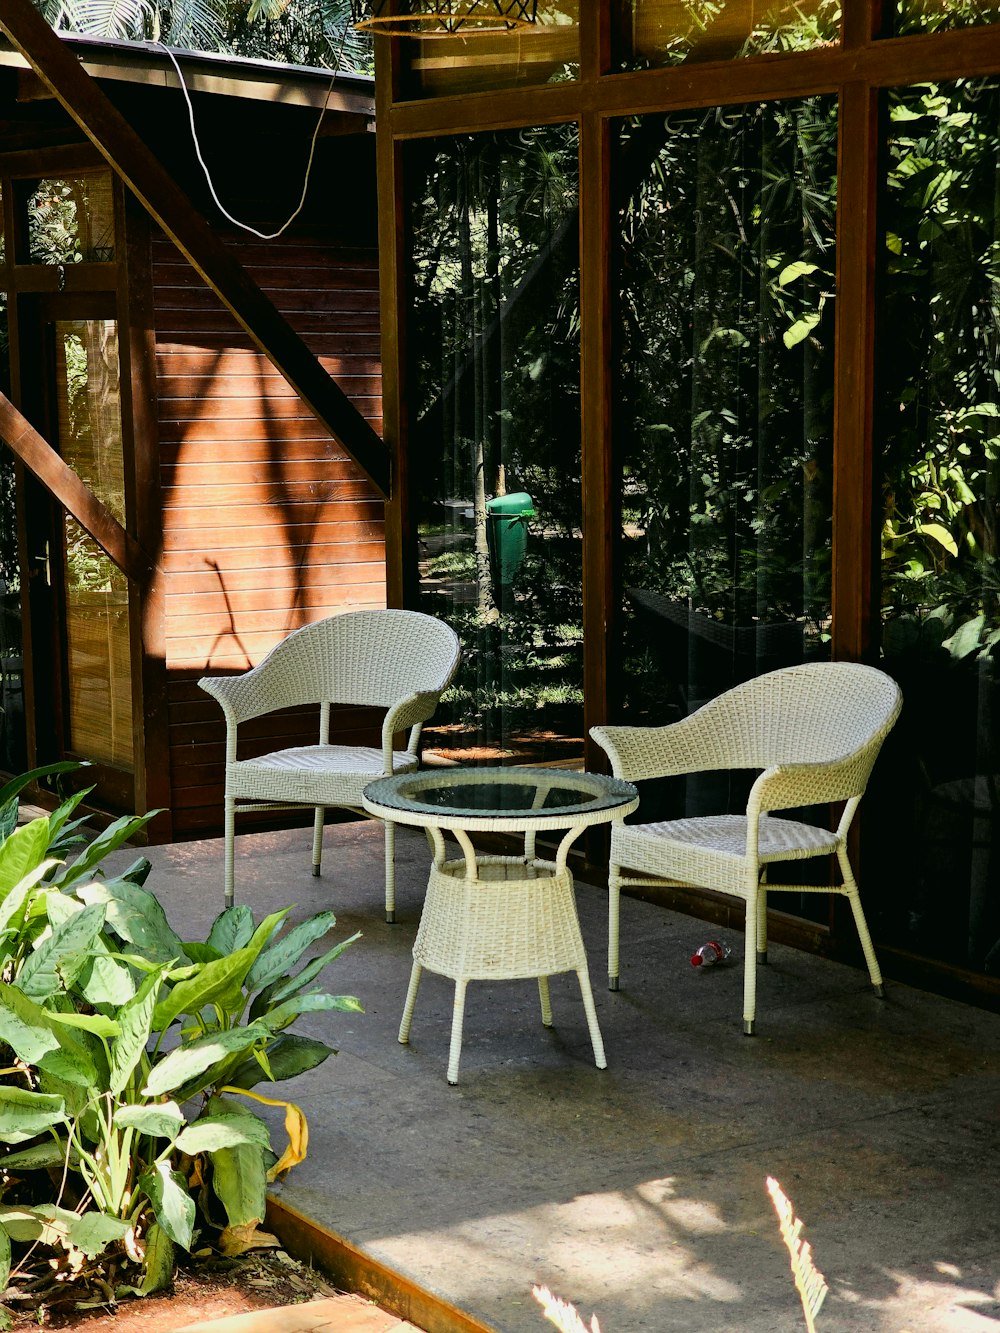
{"type": "Point", "coordinates": [815, 731]}
{"type": "Point", "coordinates": [397, 660]}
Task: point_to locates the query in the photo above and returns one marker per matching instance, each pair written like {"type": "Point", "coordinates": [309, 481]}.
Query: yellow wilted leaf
{"type": "Point", "coordinates": [296, 1127]}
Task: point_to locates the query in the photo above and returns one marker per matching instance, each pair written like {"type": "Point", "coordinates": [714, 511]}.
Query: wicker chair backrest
{"type": "Point", "coordinates": [372, 658]}
{"type": "Point", "coordinates": [815, 713]}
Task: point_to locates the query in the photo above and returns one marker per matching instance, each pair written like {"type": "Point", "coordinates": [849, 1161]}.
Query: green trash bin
{"type": "Point", "coordinates": [507, 534]}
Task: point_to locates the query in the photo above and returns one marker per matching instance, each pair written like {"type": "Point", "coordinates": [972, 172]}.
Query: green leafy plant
{"type": "Point", "coordinates": [128, 1057]}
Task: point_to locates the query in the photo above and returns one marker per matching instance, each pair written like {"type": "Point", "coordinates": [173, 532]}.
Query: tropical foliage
{"type": "Point", "coordinates": [129, 1060]}
{"type": "Point", "coordinates": [304, 32]}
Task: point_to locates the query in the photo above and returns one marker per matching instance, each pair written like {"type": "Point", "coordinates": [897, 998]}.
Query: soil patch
{"type": "Point", "coordinates": [214, 1289]}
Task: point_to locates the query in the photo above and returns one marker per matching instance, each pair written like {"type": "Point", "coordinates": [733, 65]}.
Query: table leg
{"type": "Point", "coordinates": [596, 1040]}
{"type": "Point", "coordinates": [458, 1014]}
{"type": "Point", "coordinates": [411, 999]}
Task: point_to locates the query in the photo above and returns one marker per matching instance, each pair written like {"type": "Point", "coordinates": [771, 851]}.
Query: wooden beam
{"type": "Point", "coordinates": [40, 458]}
{"type": "Point", "coordinates": [57, 65]}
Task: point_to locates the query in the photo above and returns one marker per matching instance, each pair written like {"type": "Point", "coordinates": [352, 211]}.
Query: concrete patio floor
{"type": "Point", "coordinates": [636, 1192]}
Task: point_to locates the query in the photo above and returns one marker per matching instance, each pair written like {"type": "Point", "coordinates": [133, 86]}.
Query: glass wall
{"type": "Point", "coordinates": [71, 220]}
{"type": "Point", "coordinates": [495, 434]}
{"type": "Point", "coordinates": [724, 423]}
{"type": "Point", "coordinates": [939, 428]}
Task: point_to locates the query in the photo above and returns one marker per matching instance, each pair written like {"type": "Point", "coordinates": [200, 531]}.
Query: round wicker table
{"type": "Point", "coordinates": [494, 918]}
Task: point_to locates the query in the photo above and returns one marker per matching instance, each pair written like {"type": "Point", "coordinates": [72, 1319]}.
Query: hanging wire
{"type": "Point", "coordinates": [264, 235]}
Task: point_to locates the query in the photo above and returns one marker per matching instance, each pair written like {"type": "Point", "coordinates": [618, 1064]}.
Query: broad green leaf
{"type": "Point", "coordinates": [939, 534]}
{"type": "Point", "coordinates": [965, 640]}
{"type": "Point", "coordinates": [106, 979]}
{"type": "Point", "coordinates": [159, 1261]}
{"type": "Point", "coordinates": [192, 1058]}
{"type": "Point", "coordinates": [23, 1113]}
{"type": "Point", "coordinates": [208, 983]}
{"type": "Point", "coordinates": [97, 1024]}
{"type": "Point", "coordinates": [4, 1259]}
{"type": "Point", "coordinates": [314, 1002]}
{"type": "Point", "coordinates": [25, 1026]}
{"type": "Point", "coordinates": [239, 1178]}
{"type": "Point", "coordinates": [792, 271]}
{"type": "Point", "coordinates": [23, 852]}
{"type": "Point", "coordinates": [62, 956]}
{"type": "Point", "coordinates": [135, 1023]}
{"type": "Point", "coordinates": [276, 960]}
{"type": "Point", "coordinates": [40, 1156]}
{"type": "Point", "coordinates": [202, 953]}
{"type": "Point", "coordinates": [308, 974]}
{"type": "Point", "coordinates": [161, 1120]}
{"type": "Point", "coordinates": [135, 915]}
{"type": "Point", "coordinates": [93, 1232]}
{"type": "Point", "coordinates": [32, 1033]}
{"type": "Point", "coordinates": [107, 841]}
{"type": "Point", "coordinates": [801, 329]}
{"type": "Point", "coordinates": [172, 1204]}
{"type": "Point", "coordinates": [47, 1223]}
{"type": "Point", "coordinates": [231, 929]}
{"type": "Point", "coordinates": [59, 816]}
{"type": "Point", "coordinates": [18, 784]}
{"type": "Point", "coordinates": [287, 1057]}
{"type": "Point", "coordinates": [210, 1132]}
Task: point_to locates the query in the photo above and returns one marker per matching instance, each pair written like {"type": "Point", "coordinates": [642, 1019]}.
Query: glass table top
{"type": "Point", "coordinates": [499, 793]}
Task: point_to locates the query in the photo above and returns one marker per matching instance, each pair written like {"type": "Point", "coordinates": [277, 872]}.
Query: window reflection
{"type": "Point", "coordinates": [96, 591]}
{"type": "Point", "coordinates": [668, 32]}
{"type": "Point", "coordinates": [495, 434]}
{"type": "Point", "coordinates": [548, 51]}
{"type": "Point", "coordinates": [938, 15]}
{"type": "Point", "coordinates": [939, 427]}
{"type": "Point", "coordinates": [71, 220]}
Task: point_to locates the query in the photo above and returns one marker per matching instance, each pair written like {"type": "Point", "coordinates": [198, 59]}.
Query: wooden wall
{"type": "Point", "coordinates": [267, 525]}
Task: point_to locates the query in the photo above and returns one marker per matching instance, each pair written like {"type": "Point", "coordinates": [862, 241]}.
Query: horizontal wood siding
{"type": "Point", "coordinates": [267, 524]}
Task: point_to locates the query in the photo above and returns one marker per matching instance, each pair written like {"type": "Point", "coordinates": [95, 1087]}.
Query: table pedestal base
{"type": "Point", "coordinates": [516, 919]}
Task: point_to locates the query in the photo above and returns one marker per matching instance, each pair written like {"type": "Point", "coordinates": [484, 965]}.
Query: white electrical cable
{"type": "Point", "coordinates": [264, 236]}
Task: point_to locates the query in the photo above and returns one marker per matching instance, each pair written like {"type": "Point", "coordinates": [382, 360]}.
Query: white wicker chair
{"type": "Point", "coordinates": [397, 660]}
{"type": "Point", "coordinates": [815, 731]}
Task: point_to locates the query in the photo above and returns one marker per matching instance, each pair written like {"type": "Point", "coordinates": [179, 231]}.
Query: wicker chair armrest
{"type": "Point", "coordinates": [412, 711]}
{"type": "Point", "coordinates": [787, 786]}
{"type": "Point", "coordinates": [693, 745]}
{"type": "Point", "coordinates": [231, 694]}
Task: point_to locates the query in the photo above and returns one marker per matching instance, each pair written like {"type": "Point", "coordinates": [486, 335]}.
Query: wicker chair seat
{"type": "Point", "coordinates": [710, 852]}
{"type": "Point", "coordinates": [314, 774]}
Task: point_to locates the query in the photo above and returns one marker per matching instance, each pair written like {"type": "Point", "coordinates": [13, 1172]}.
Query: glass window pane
{"type": "Point", "coordinates": [495, 434]}
{"type": "Point", "coordinates": [652, 33]}
{"type": "Point", "coordinates": [548, 51]}
{"type": "Point", "coordinates": [937, 15]}
{"type": "Point", "coordinates": [939, 428]}
{"type": "Point", "coordinates": [99, 681]}
{"type": "Point", "coordinates": [13, 742]}
{"type": "Point", "coordinates": [71, 220]}
{"type": "Point", "coordinates": [723, 426]}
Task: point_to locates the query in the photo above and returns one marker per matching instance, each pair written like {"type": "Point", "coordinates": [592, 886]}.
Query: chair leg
{"type": "Point", "coordinates": [390, 872]}
{"type": "Point", "coordinates": [546, 1003]}
{"type": "Point", "coordinates": [411, 999]}
{"type": "Point", "coordinates": [318, 820]}
{"type": "Point", "coordinates": [458, 1014]}
{"type": "Point", "coordinates": [229, 874]}
{"type": "Point", "coordinates": [614, 918]}
{"type": "Point", "coordinates": [596, 1040]}
{"type": "Point", "coordinates": [750, 966]}
{"type": "Point", "coordinates": [762, 921]}
{"type": "Point", "coordinates": [854, 898]}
